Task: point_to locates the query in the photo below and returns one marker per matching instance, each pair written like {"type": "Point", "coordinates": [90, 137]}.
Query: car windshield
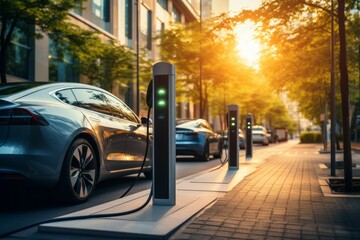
{"type": "Point", "coordinates": [12, 88]}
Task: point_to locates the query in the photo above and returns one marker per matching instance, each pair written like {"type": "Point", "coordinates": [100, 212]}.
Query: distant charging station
{"type": "Point", "coordinates": [164, 146]}
{"type": "Point", "coordinates": [249, 141]}
{"type": "Point", "coordinates": [233, 136]}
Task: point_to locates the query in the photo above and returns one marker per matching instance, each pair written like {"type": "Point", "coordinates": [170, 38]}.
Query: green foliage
{"type": "Point", "coordinates": [310, 137]}
{"type": "Point", "coordinates": [50, 17]}
{"type": "Point", "coordinates": [226, 79]}
{"type": "Point", "coordinates": [296, 56]}
{"type": "Point", "coordinates": [106, 64]}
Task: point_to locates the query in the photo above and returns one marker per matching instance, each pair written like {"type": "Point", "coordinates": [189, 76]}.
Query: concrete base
{"type": "Point", "coordinates": [193, 195]}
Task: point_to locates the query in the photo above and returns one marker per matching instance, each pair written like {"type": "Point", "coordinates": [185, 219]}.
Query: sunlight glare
{"type": "Point", "coordinates": [249, 48]}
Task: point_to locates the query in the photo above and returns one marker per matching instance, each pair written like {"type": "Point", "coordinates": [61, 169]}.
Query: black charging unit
{"type": "Point", "coordinates": [164, 146]}
{"type": "Point", "coordinates": [233, 136]}
{"type": "Point", "coordinates": [249, 141]}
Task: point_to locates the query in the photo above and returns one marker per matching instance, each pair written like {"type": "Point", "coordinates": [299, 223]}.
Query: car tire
{"type": "Point", "coordinates": [79, 173]}
{"type": "Point", "coordinates": [206, 155]}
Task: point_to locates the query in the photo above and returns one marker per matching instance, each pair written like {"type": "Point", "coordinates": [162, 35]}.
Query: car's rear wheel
{"type": "Point", "coordinates": [206, 155]}
{"type": "Point", "coordinates": [79, 172]}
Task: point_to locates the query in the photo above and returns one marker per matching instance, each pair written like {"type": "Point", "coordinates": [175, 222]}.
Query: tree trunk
{"type": "Point", "coordinates": [344, 84]}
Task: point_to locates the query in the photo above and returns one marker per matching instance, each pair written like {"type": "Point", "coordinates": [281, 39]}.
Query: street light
{"type": "Point", "coordinates": [332, 96]}
{"type": "Point", "coordinates": [137, 60]}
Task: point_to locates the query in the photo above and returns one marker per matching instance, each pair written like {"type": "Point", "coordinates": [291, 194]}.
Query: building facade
{"type": "Point", "coordinates": [122, 20]}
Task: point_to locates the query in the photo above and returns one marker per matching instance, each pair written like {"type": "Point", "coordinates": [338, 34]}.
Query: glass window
{"type": "Point", "coordinates": [120, 110]}
{"type": "Point", "coordinates": [145, 26]}
{"type": "Point", "coordinates": [92, 100]}
{"type": "Point", "coordinates": [61, 70]}
{"type": "Point", "coordinates": [176, 17]}
{"type": "Point", "coordinates": [18, 55]}
{"type": "Point", "coordinates": [66, 96]}
{"type": "Point", "coordinates": [101, 14]}
{"type": "Point", "coordinates": [128, 19]}
{"type": "Point", "coordinates": [78, 11]}
{"type": "Point", "coordinates": [163, 4]}
{"type": "Point", "coordinates": [101, 9]}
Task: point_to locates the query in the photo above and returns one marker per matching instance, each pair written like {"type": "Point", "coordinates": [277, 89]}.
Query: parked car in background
{"type": "Point", "coordinates": [241, 139]}
{"type": "Point", "coordinates": [281, 134]}
{"type": "Point", "coordinates": [260, 135]}
{"type": "Point", "coordinates": [69, 136]}
{"type": "Point", "coordinates": [197, 138]}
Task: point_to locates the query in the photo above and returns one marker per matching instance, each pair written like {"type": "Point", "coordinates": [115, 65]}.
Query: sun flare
{"type": "Point", "coordinates": [248, 47]}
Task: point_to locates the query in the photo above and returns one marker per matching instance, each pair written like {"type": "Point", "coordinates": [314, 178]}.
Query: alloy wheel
{"type": "Point", "coordinates": [83, 171]}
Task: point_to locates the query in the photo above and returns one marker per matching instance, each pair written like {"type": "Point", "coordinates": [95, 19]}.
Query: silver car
{"type": "Point", "coordinates": [260, 135]}
{"type": "Point", "coordinates": [68, 135]}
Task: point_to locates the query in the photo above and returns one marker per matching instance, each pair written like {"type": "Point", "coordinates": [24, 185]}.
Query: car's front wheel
{"type": "Point", "coordinates": [79, 173]}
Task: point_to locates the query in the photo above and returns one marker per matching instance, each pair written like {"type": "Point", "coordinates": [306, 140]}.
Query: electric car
{"type": "Point", "coordinates": [260, 135]}
{"type": "Point", "coordinates": [241, 139]}
{"type": "Point", "coordinates": [197, 138]}
{"type": "Point", "coordinates": [69, 136]}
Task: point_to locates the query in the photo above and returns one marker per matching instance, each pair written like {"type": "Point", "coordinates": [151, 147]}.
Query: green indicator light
{"type": "Point", "coordinates": [232, 119]}
{"type": "Point", "coordinates": [232, 124]}
{"type": "Point", "coordinates": [161, 103]}
{"type": "Point", "coordinates": [161, 92]}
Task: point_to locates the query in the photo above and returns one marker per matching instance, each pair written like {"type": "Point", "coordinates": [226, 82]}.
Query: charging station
{"type": "Point", "coordinates": [249, 141]}
{"type": "Point", "coordinates": [164, 146]}
{"type": "Point", "coordinates": [233, 136]}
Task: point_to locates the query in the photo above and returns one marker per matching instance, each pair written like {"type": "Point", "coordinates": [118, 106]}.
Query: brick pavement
{"type": "Point", "coordinates": [282, 199]}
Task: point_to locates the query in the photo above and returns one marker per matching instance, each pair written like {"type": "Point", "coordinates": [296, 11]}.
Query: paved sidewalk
{"type": "Point", "coordinates": [282, 199]}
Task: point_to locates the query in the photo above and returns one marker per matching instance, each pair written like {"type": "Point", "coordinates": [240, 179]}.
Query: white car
{"type": "Point", "coordinates": [260, 135]}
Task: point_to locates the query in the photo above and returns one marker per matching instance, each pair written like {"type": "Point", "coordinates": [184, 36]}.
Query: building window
{"type": "Point", "coordinates": [160, 27]}
{"type": "Point", "coordinates": [101, 11]}
{"type": "Point", "coordinates": [18, 56]}
{"type": "Point", "coordinates": [176, 17]}
{"type": "Point", "coordinates": [78, 11]}
{"type": "Point", "coordinates": [128, 19]}
{"type": "Point", "coordinates": [145, 26]}
{"type": "Point", "coordinates": [61, 70]}
{"type": "Point", "coordinates": [163, 4]}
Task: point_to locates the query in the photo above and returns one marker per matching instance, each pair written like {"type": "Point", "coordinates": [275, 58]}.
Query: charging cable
{"type": "Point", "coordinates": [145, 155]}
{"type": "Point", "coordinates": [117, 214]}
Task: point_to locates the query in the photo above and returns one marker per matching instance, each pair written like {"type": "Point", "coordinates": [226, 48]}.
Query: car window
{"type": "Point", "coordinates": [12, 88]}
{"type": "Point", "coordinates": [91, 99]}
{"type": "Point", "coordinates": [66, 96]}
{"type": "Point", "coordinates": [120, 109]}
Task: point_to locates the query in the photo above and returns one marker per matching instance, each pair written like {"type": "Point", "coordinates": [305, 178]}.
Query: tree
{"type": "Point", "coordinates": [49, 17]}
{"type": "Point", "coordinates": [292, 27]}
{"type": "Point", "coordinates": [107, 63]}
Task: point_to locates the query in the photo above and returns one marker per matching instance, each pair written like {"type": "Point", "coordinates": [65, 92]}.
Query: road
{"type": "Point", "coordinates": [21, 206]}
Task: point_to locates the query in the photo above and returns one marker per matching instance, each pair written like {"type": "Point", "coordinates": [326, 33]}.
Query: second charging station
{"type": "Point", "coordinates": [233, 136]}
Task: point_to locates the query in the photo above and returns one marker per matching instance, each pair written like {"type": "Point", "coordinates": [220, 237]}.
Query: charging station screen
{"type": "Point", "coordinates": [161, 136]}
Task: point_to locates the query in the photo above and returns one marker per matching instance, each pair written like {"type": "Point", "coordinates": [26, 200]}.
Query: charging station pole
{"type": "Point", "coordinates": [164, 148]}
{"type": "Point", "coordinates": [249, 141]}
{"type": "Point", "coordinates": [233, 136]}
